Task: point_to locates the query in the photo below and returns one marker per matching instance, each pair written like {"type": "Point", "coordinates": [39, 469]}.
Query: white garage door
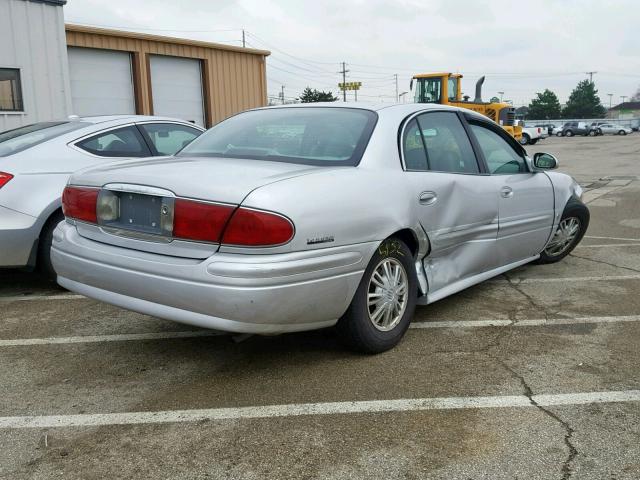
{"type": "Point", "coordinates": [101, 82]}
{"type": "Point", "coordinates": [176, 86]}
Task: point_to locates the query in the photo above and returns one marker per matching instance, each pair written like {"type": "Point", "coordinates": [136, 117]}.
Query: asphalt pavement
{"type": "Point", "coordinates": [531, 375]}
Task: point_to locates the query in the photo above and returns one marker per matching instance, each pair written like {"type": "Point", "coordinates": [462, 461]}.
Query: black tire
{"type": "Point", "coordinates": [568, 133]}
{"type": "Point", "coordinates": [355, 328]}
{"type": "Point", "coordinates": [533, 142]}
{"type": "Point", "coordinates": [592, 133]}
{"type": "Point", "coordinates": [579, 211]}
{"type": "Point", "coordinates": [524, 140]}
{"type": "Point", "coordinates": [558, 134]}
{"type": "Point", "coordinates": [622, 132]}
{"type": "Point", "coordinates": [44, 246]}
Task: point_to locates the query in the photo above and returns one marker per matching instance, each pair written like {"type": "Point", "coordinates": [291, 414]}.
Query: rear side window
{"type": "Point", "coordinates": [19, 139]}
{"type": "Point", "coordinates": [438, 142]}
{"type": "Point", "coordinates": [121, 142]}
{"type": "Point", "coordinates": [324, 136]}
{"type": "Point", "coordinates": [169, 138]}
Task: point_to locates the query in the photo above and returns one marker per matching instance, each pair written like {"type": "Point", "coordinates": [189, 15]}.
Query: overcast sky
{"type": "Point", "coordinates": [522, 47]}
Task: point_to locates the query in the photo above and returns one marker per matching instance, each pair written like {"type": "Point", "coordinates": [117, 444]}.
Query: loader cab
{"type": "Point", "coordinates": [441, 88]}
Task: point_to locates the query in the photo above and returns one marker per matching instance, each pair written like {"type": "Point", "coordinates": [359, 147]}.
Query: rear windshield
{"type": "Point", "coordinates": [313, 136]}
{"type": "Point", "coordinates": [19, 139]}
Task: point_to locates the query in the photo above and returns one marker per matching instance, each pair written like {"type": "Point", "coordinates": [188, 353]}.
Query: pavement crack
{"type": "Point", "coordinates": [605, 263]}
{"type": "Point", "coordinates": [567, 465]}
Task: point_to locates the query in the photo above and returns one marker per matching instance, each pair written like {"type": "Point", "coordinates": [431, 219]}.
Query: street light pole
{"type": "Point", "coordinates": [610, 97]}
{"type": "Point", "coordinates": [501, 94]}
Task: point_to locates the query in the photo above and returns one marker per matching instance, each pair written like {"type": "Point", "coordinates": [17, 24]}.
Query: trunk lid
{"type": "Point", "coordinates": [146, 191]}
{"type": "Point", "coordinates": [227, 180]}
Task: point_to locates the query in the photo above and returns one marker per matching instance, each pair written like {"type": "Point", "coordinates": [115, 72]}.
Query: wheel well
{"type": "Point", "coordinates": [51, 219]}
{"type": "Point", "coordinates": [409, 238]}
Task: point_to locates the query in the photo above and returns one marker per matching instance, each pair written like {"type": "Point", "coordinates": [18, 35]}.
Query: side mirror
{"type": "Point", "coordinates": [411, 85]}
{"type": "Point", "coordinates": [545, 161]}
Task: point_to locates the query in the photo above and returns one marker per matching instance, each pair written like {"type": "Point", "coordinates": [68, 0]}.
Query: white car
{"type": "Point", "coordinates": [613, 129]}
{"type": "Point", "coordinates": [309, 216]}
{"type": "Point", "coordinates": [36, 161]}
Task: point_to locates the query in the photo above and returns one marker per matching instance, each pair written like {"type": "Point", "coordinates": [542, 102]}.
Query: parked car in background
{"type": "Point", "coordinates": [575, 128]}
{"type": "Point", "coordinates": [593, 128]}
{"type": "Point", "coordinates": [531, 135]}
{"type": "Point", "coordinates": [613, 129]}
{"type": "Point", "coordinates": [36, 161]}
{"type": "Point", "coordinates": [635, 125]}
{"type": "Point", "coordinates": [239, 233]}
{"type": "Point", "coordinates": [548, 126]}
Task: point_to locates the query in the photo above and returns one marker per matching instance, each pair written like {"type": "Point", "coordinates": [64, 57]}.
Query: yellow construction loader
{"type": "Point", "coordinates": [445, 89]}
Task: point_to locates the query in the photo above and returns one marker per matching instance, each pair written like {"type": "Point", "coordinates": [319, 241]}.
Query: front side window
{"type": "Point", "coordinates": [445, 141]}
{"type": "Point", "coordinates": [323, 136]}
{"type": "Point", "coordinates": [501, 157]}
{"type": "Point", "coordinates": [10, 90]}
{"type": "Point", "coordinates": [169, 138]}
{"type": "Point", "coordinates": [122, 142]}
{"type": "Point", "coordinates": [21, 138]}
{"type": "Point", "coordinates": [428, 90]}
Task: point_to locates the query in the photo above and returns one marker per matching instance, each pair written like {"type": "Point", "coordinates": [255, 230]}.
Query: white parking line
{"type": "Point", "coordinates": [23, 342]}
{"type": "Point", "coordinates": [314, 409]}
{"type": "Point", "coordinates": [594, 278]}
{"type": "Point", "coordinates": [613, 238]}
{"type": "Point", "coordinates": [610, 245]}
{"type": "Point", "coordinates": [536, 322]}
{"type": "Point", "coordinates": [26, 298]}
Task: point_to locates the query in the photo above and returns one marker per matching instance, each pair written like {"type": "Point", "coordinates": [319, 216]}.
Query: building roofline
{"type": "Point", "coordinates": [56, 3]}
{"type": "Point", "coordinates": [633, 105]}
{"type": "Point", "coordinates": [71, 27]}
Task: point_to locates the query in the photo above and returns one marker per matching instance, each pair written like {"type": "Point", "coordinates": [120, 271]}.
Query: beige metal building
{"type": "Point", "coordinates": [113, 72]}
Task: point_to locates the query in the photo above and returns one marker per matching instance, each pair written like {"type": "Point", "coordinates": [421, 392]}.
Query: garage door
{"type": "Point", "coordinates": [176, 85]}
{"type": "Point", "coordinates": [101, 82]}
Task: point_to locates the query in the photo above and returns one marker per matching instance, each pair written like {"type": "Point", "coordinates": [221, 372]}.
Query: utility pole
{"type": "Point", "coordinates": [344, 80]}
{"type": "Point", "coordinates": [610, 96]}
{"type": "Point", "coordinates": [395, 75]}
{"type": "Point", "coordinates": [590, 76]}
{"type": "Point", "coordinates": [501, 94]}
{"type": "Point", "coordinates": [243, 41]}
{"type": "Point", "coordinates": [623, 97]}
{"type": "Point", "coordinates": [282, 93]}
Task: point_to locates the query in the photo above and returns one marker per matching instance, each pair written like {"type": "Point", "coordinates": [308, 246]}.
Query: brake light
{"type": "Point", "coordinates": [80, 203]}
{"type": "Point", "coordinates": [200, 221]}
{"type": "Point", "coordinates": [4, 178]}
{"type": "Point", "coordinates": [257, 228]}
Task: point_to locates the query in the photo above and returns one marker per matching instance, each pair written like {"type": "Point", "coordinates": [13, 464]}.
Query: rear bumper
{"type": "Point", "coordinates": [264, 294]}
{"type": "Point", "coordinates": [18, 235]}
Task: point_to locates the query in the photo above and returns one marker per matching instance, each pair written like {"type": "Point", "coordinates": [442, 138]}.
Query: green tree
{"type": "Point", "coordinates": [584, 102]}
{"type": "Point", "coordinates": [545, 106]}
{"type": "Point", "coordinates": [312, 95]}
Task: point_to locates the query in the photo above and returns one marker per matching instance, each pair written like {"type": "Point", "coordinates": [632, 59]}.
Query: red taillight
{"type": "Point", "coordinates": [200, 221]}
{"type": "Point", "coordinates": [80, 203]}
{"type": "Point", "coordinates": [256, 228]}
{"type": "Point", "coordinates": [4, 178]}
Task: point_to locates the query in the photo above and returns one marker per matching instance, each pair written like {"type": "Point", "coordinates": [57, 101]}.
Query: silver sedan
{"type": "Point", "coordinates": [613, 129]}
{"type": "Point", "coordinates": [304, 217]}
{"type": "Point", "coordinates": [36, 161]}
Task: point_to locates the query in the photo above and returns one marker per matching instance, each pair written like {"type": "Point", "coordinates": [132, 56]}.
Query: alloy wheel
{"type": "Point", "coordinates": [564, 236]}
{"type": "Point", "coordinates": [387, 294]}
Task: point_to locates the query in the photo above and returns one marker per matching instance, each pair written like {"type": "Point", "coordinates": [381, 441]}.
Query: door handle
{"type": "Point", "coordinates": [428, 198]}
{"type": "Point", "coordinates": [506, 192]}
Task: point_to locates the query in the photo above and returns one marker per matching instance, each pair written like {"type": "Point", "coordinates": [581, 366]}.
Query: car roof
{"type": "Point", "coordinates": [127, 117]}
{"type": "Point", "coordinates": [387, 108]}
